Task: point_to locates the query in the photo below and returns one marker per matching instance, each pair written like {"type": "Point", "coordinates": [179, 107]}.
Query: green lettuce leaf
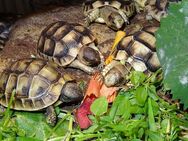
{"type": "Point", "coordinates": [172, 50]}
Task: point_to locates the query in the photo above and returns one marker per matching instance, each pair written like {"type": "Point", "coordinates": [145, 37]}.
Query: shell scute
{"type": "Point", "coordinates": [49, 31]}
{"type": "Point", "coordinates": [37, 86]}
{"type": "Point", "coordinates": [20, 66]}
{"type": "Point", "coordinates": [49, 73]}
{"type": "Point", "coordinates": [141, 47]}
{"type": "Point", "coordinates": [12, 81]}
{"type": "Point", "coordinates": [49, 47]}
{"type": "Point", "coordinates": [150, 29]}
{"type": "Point", "coordinates": [125, 43]}
{"type": "Point", "coordinates": [27, 103]}
{"type": "Point", "coordinates": [22, 89]}
{"type": "Point", "coordinates": [153, 62]}
{"type": "Point", "coordinates": [60, 42]}
{"type": "Point", "coordinates": [35, 66]}
{"type": "Point", "coordinates": [140, 51]}
{"type": "Point", "coordinates": [63, 29]}
{"type": "Point", "coordinates": [146, 39]}
{"type": "Point", "coordinates": [4, 77]}
{"type": "Point", "coordinates": [125, 5]}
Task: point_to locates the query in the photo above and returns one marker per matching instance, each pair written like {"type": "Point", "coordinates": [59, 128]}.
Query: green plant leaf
{"type": "Point", "coordinates": [35, 126]}
{"type": "Point", "coordinates": [137, 77]}
{"type": "Point", "coordinates": [154, 136]}
{"type": "Point", "coordinates": [99, 106]}
{"type": "Point", "coordinates": [26, 139]}
{"type": "Point", "coordinates": [172, 50]}
{"type": "Point", "coordinates": [151, 90]}
{"type": "Point", "coordinates": [141, 95]}
{"type": "Point", "coordinates": [151, 119]}
{"type": "Point", "coordinates": [121, 106]}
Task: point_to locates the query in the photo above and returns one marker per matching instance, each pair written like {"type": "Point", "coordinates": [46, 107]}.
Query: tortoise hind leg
{"type": "Point", "coordinates": [51, 117]}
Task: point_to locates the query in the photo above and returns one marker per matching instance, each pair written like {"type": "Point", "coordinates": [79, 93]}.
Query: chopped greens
{"type": "Point", "coordinates": [136, 114]}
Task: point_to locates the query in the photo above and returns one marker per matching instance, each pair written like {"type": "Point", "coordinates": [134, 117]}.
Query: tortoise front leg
{"type": "Point", "coordinates": [77, 64]}
{"type": "Point", "coordinates": [51, 116]}
{"type": "Point", "coordinates": [124, 16]}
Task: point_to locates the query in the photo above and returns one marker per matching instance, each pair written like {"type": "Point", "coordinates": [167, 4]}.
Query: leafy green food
{"type": "Point", "coordinates": [32, 127]}
{"type": "Point", "coordinates": [99, 106]}
{"type": "Point", "coordinates": [172, 49]}
{"type": "Point", "coordinates": [135, 115]}
{"type": "Point", "coordinates": [137, 77]}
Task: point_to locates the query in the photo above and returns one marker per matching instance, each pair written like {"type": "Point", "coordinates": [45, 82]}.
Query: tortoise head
{"type": "Point", "coordinates": [115, 21]}
{"type": "Point", "coordinates": [71, 93]}
{"type": "Point", "coordinates": [115, 74]}
{"type": "Point", "coordinates": [90, 56]}
{"type": "Point", "coordinates": [140, 4]}
{"type": "Point", "coordinates": [113, 78]}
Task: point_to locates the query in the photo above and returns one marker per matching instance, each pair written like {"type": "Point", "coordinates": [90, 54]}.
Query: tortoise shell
{"type": "Point", "coordinates": [60, 42]}
{"type": "Point", "coordinates": [157, 9]}
{"type": "Point", "coordinates": [140, 49]}
{"type": "Point", "coordinates": [126, 6]}
{"type": "Point", "coordinates": [37, 84]}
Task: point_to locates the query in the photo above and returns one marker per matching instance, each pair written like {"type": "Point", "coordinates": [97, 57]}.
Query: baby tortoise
{"type": "Point", "coordinates": [114, 13]}
{"type": "Point", "coordinates": [158, 9]}
{"type": "Point", "coordinates": [37, 85]}
{"type": "Point", "coordinates": [70, 45]}
{"type": "Point", "coordinates": [136, 52]}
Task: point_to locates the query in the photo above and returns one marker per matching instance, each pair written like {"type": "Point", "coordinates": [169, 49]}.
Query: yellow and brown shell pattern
{"type": "Point", "coordinates": [37, 84]}
{"type": "Point", "coordinates": [126, 6]}
{"type": "Point", "coordinates": [60, 42]}
{"type": "Point", "coordinates": [139, 49]}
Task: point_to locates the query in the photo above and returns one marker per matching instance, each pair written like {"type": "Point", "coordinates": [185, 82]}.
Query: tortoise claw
{"type": "Point", "coordinates": [87, 21]}
{"type": "Point", "coordinates": [51, 117]}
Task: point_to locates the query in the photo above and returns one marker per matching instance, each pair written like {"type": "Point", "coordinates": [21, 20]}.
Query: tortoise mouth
{"type": "Point", "coordinates": [115, 21]}
{"type": "Point", "coordinates": [71, 93]}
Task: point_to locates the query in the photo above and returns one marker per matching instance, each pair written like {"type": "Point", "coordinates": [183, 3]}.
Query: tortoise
{"type": "Point", "coordinates": [5, 28]}
{"type": "Point", "coordinates": [38, 85]}
{"type": "Point", "coordinates": [158, 9]}
{"type": "Point", "coordinates": [70, 44]}
{"type": "Point", "coordinates": [114, 13]}
{"type": "Point", "coordinates": [133, 52]}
